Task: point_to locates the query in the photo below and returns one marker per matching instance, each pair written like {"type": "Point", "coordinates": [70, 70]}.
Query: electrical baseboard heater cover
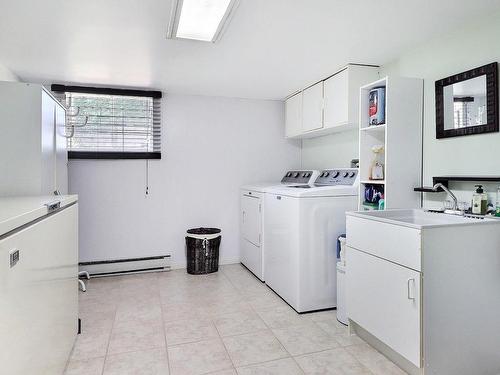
{"type": "Point", "coordinates": [125, 266]}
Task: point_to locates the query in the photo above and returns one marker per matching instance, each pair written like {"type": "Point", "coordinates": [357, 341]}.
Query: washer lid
{"type": "Point", "coordinates": [314, 191]}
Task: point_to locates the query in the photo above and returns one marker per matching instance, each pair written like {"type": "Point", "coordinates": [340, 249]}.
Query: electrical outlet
{"type": "Point", "coordinates": [14, 257]}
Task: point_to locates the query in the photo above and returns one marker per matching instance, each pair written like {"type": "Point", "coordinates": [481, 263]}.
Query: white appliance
{"type": "Point", "coordinates": [32, 141]}
{"type": "Point", "coordinates": [252, 212]}
{"type": "Point", "coordinates": [38, 283]}
{"type": "Point", "coordinates": [301, 225]}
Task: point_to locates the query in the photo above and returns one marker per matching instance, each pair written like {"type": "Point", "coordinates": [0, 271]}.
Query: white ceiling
{"type": "Point", "coordinates": [270, 49]}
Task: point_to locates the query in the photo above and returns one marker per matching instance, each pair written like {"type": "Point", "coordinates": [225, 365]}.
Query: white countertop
{"type": "Point", "coordinates": [259, 186]}
{"type": "Point", "coordinates": [420, 218]}
{"type": "Point", "coordinates": [18, 211]}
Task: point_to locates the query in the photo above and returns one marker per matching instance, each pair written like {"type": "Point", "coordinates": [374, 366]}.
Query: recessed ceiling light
{"type": "Point", "coordinates": [200, 19]}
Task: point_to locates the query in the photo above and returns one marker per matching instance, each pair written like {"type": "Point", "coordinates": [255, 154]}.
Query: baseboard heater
{"type": "Point", "coordinates": [126, 266]}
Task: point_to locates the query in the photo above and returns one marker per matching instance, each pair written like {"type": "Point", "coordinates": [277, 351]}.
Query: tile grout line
{"type": "Point", "coordinates": [291, 356]}
{"type": "Point", "coordinates": [224, 345]}
{"type": "Point", "coordinates": [269, 328]}
{"type": "Point", "coordinates": [255, 312]}
{"type": "Point", "coordinates": [106, 355]}
{"type": "Point", "coordinates": [164, 333]}
{"type": "Point", "coordinates": [293, 359]}
{"type": "Point", "coordinates": [243, 290]}
{"type": "Point", "coordinates": [109, 339]}
{"type": "Point", "coordinates": [217, 329]}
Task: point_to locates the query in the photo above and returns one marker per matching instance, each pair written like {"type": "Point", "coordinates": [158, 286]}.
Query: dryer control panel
{"type": "Point", "coordinates": [302, 177]}
{"type": "Point", "coordinates": [342, 176]}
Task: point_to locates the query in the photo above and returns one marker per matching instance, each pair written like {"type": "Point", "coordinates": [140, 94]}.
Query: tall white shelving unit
{"type": "Point", "coordinates": [401, 136]}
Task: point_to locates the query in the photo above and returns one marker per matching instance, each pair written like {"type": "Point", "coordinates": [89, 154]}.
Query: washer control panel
{"type": "Point", "coordinates": [299, 177]}
{"type": "Point", "coordinates": [331, 177]}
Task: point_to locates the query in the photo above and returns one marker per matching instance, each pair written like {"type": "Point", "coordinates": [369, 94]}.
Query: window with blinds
{"type": "Point", "coordinates": [112, 123]}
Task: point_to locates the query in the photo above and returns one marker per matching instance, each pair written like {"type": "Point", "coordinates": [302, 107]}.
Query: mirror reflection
{"type": "Point", "coordinates": [465, 103]}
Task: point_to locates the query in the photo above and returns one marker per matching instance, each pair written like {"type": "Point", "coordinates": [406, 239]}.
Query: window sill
{"type": "Point", "coordinates": [113, 155]}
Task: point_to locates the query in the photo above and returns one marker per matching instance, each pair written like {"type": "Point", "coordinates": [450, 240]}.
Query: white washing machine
{"type": "Point", "coordinates": [301, 225]}
{"type": "Point", "coordinates": [252, 220]}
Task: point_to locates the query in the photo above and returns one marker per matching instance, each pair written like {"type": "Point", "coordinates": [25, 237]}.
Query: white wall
{"type": "Point", "coordinates": [6, 74]}
{"type": "Point", "coordinates": [211, 146]}
{"type": "Point", "coordinates": [462, 50]}
{"type": "Point", "coordinates": [330, 151]}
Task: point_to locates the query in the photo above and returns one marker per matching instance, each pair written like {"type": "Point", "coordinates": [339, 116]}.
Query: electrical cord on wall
{"type": "Point", "coordinates": [147, 178]}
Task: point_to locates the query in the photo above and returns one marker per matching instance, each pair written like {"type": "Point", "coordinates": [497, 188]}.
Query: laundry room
{"type": "Point", "coordinates": [240, 187]}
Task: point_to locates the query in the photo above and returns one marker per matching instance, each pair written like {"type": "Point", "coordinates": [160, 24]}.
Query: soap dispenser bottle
{"type": "Point", "coordinates": [479, 201]}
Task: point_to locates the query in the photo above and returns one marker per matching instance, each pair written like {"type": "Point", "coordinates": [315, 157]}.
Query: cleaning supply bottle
{"type": "Point", "coordinates": [479, 201]}
{"type": "Point", "coordinates": [497, 211]}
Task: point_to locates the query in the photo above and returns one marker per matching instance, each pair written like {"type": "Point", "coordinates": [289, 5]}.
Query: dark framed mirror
{"type": "Point", "coordinates": [467, 103]}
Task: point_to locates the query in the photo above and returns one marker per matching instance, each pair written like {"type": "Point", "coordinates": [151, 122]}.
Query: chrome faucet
{"type": "Point", "coordinates": [455, 209]}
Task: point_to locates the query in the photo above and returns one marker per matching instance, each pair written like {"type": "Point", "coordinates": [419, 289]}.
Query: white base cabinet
{"type": "Point", "coordinates": [39, 295]}
{"type": "Point", "coordinates": [429, 293]}
{"type": "Point", "coordinates": [385, 300]}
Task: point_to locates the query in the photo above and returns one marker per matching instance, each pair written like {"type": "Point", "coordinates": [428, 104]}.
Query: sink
{"type": "Point", "coordinates": [421, 218]}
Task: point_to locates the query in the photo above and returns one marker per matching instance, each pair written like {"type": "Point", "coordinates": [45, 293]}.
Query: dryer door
{"type": "Point", "coordinates": [251, 217]}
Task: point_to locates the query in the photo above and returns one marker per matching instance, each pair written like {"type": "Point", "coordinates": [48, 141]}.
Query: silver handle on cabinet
{"type": "Point", "coordinates": [243, 216]}
{"type": "Point", "coordinates": [411, 290]}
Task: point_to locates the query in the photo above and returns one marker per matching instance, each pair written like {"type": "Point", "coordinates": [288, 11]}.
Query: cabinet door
{"type": "Point", "coordinates": [336, 93]}
{"type": "Point", "coordinates": [251, 219]}
{"type": "Point", "coordinates": [384, 299]}
{"type": "Point", "coordinates": [312, 108]}
{"type": "Point", "coordinates": [61, 154]}
{"type": "Point", "coordinates": [48, 176]}
{"type": "Point", "coordinates": [293, 115]}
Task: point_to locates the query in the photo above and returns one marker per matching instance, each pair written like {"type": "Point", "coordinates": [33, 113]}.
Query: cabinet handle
{"type": "Point", "coordinates": [243, 216]}
{"type": "Point", "coordinates": [410, 290]}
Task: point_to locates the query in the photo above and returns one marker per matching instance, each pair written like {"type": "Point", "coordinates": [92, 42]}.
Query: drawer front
{"type": "Point", "coordinates": [396, 243]}
{"type": "Point", "coordinates": [384, 299]}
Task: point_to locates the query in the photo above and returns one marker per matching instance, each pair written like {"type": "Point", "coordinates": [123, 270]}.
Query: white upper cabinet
{"type": "Point", "coordinates": [342, 96]}
{"type": "Point", "coordinates": [312, 108]}
{"type": "Point", "coordinates": [337, 100]}
{"type": "Point", "coordinates": [293, 115]}
{"type": "Point", "coordinates": [329, 106]}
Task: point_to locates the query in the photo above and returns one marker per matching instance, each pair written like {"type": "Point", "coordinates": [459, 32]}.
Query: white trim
{"type": "Point", "coordinates": [222, 262]}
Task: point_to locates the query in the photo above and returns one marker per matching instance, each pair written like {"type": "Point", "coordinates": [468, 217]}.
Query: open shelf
{"type": "Point", "coordinates": [445, 180]}
{"type": "Point", "coordinates": [401, 136]}
{"type": "Point", "coordinates": [373, 128]}
{"type": "Point", "coordinates": [427, 189]}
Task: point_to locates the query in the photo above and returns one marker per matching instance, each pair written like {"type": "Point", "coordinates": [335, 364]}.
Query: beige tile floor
{"type": "Point", "coordinates": [224, 323]}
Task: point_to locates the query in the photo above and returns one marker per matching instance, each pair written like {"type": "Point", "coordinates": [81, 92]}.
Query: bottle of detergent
{"type": "Point", "coordinates": [479, 201]}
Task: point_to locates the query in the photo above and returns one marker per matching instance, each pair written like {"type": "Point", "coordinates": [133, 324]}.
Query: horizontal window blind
{"type": "Point", "coordinates": [112, 125]}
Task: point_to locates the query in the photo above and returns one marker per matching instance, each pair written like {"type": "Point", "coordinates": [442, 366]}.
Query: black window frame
{"type": "Point", "coordinates": [109, 155]}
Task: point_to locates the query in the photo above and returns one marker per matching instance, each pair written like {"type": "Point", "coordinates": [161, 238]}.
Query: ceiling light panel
{"type": "Point", "coordinates": [200, 19]}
